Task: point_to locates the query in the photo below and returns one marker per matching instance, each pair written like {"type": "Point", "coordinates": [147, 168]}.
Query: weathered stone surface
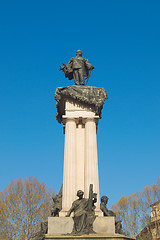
{"type": "Point", "coordinates": [64, 225]}
{"type": "Point", "coordinates": [92, 96]}
{"type": "Point", "coordinates": [104, 225]}
{"type": "Point", "coordinates": [60, 225]}
{"type": "Point", "coordinates": [80, 153]}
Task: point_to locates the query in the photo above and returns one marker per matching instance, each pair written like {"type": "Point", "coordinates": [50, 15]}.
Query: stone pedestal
{"type": "Point", "coordinates": [80, 153]}
{"type": "Point", "coordinates": [89, 237]}
{"type": "Point", "coordinates": [58, 227]}
{"type": "Point", "coordinates": [64, 225]}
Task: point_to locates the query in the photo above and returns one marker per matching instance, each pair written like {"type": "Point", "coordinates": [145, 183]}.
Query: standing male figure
{"type": "Point", "coordinates": [77, 68]}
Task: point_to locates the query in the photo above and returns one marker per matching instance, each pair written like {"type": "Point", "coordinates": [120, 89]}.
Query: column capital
{"type": "Point", "coordinates": [78, 119]}
{"type": "Point", "coordinates": [69, 119]}
{"type": "Point", "coordinates": [91, 119]}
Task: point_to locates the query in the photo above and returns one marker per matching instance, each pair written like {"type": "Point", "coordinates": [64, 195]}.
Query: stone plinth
{"type": "Point", "coordinates": [104, 225]}
{"type": "Point", "coordinates": [64, 225]}
{"type": "Point", "coordinates": [80, 154]}
{"type": "Point", "coordinates": [88, 237]}
{"type": "Point", "coordinates": [60, 225]}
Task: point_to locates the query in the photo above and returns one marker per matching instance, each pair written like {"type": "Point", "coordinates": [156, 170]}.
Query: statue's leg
{"type": "Point", "coordinates": [76, 76]}
{"type": "Point", "coordinates": [89, 223]}
{"type": "Point", "coordinates": [81, 76]}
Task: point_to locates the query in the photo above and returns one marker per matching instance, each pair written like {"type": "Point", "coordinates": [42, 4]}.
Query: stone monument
{"type": "Point", "coordinates": [79, 109]}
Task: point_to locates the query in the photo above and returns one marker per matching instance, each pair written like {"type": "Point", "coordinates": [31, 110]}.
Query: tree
{"type": "Point", "coordinates": [134, 210]}
{"type": "Point", "coordinates": [23, 205]}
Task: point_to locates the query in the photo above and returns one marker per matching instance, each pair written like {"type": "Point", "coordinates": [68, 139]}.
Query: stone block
{"type": "Point", "coordinates": [104, 225]}
{"type": "Point", "coordinates": [64, 225]}
{"type": "Point", "coordinates": [89, 237]}
{"type": "Point", "coordinates": [60, 225]}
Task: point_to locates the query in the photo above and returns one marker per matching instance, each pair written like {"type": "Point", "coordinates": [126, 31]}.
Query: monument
{"type": "Point", "coordinates": [79, 108]}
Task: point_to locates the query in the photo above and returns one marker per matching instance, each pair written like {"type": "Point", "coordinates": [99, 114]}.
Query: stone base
{"type": "Point", "coordinates": [88, 237]}
{"type": "Point", "coordinates": [104, 225]}
{"type": "Point", "coordinates": [59, 225]}
{"type": "Point", "coordinates": [64, 225]}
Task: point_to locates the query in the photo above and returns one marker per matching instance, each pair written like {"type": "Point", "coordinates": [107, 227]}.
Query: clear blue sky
{"type": "Point", "coordinates": [122, 40]}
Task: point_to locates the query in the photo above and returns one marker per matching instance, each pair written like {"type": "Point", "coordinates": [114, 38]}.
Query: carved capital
{"type": "Point", "coordinates": [91, 119]}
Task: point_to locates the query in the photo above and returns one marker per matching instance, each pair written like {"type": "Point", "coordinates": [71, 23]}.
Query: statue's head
{"type": "Point", "coordinates": [80, 193]}
{"type": "Point", "coordinates": [79, 53]}
{"type": "Point", "coordinates": [104, 199]}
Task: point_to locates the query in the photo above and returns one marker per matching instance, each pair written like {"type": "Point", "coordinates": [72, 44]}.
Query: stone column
{"type": "Point", "coordinates": [91, 160]}
{"type": "Point", "coordinates": [80, 147]}
{"type": "Point", "coordinates": [69, 171]}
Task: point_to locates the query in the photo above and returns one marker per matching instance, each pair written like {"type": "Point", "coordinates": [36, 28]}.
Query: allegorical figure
{"type": "Point", "coordinates": [57, 206]}
{"type": "Point", "coordinates": [78, 68]}
{"type": "Point", "coordinates": [106, 212]}
{"type": "Point", "coordinates": [84, 214]}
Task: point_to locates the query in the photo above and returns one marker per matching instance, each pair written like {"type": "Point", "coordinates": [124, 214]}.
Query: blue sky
{"type": "Point", "coordinates": [122, 40]}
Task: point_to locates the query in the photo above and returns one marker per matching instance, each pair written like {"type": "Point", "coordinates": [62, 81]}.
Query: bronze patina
{"type": "Point", "coordinates": [84, 213]}
{"type": "Point", "coordinates": [93, 97]}
{"type": "Point", "coordinates": [78, 69]}
{"type": "Point", "coordinates": [57, 204]}
{"type": "Point", "coordinates": [108, 213]}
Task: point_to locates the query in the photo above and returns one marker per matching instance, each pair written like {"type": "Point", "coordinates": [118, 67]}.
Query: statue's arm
{"type": "Point", "coordinates": [88, 65]}
{"type": "Point", "coordinates": [70, 211]}
{"type": "Point", "coordinates": [70, 61]}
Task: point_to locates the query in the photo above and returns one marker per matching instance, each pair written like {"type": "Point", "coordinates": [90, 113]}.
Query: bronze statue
{"type": "Point", "coordinates": [106, 212]}
{"type": "Point", "coordinates": [84, 213]}
{"type": "Point", "coordinates": [57, 206]}
{"type": "Point", "coordinates": [104, 209]}
{"type": "Point", "coordinates": [78, 68]}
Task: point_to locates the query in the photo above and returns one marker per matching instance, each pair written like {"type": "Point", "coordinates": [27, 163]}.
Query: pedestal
{"type": "Point", "coordinates": [80, 153]}
{"type": "Point", "coordinates": [64, 225]}
{"type": "Point", "coordinates": [58, 227]}
{"type": "Point", "coordinates": [90, 237]}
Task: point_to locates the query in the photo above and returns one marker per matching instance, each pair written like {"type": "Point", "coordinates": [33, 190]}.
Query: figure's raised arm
{"type": "Point", "coordinates": [70, 61]}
